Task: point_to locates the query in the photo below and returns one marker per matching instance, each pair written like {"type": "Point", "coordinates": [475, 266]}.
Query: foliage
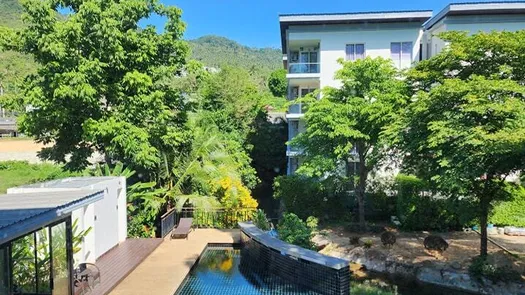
{"type": "Point", "coordinates": [352, 118]}
{"type": "Point", "coordinates": [111, 96]}
{"type": "Point", "coordinates": [371, 288]}
{"type": "Point", "coordinates": [293, 230]}
{"type": "Point", "coordinates": [481, 268]}
{"type": "Point", "coordinates": [277, 83]}
{"type": "Point", "coordinates": [16, 173]}
{"type": "Point", "coordinates": [145, 202]}
{"type": "Point", "coordinates": [418, 208]}
{"type": "Point", "coordinates": [465, 130]}
{"type": "Point", "coordinates": [510, 212]}
{"type": "Point", "coordinates": [217, 52]}
{"type": "Point", "coordinates": [307, 196]}
{"type": "Point", "coordinates": [117, 170]}
{"type": "Point", "coordinates": [367, 244]}
{"type": "Point", "coordinates": [78, 236]}
{"type": "Point", "coordinates": [260, 220]}
{"type": "Point", "coordinates": [234, 195]}
{"type": "Point", "coordinates": [312, 223]}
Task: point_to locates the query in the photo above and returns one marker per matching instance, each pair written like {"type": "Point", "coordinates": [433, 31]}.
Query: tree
{"type": "Point", "coordinates": [277, 83]}
{"type": "Point", "coordinates": [350, 120]}
{"type": "Point", "coordinates": [101, 83]}
{"type": "Point", "coordinates": [465, 131]}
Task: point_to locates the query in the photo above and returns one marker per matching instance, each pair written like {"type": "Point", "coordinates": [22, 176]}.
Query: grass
{"type": "Point", "coordinates": [15, 173]}
{"type": "Point", "coordinates": [367, 289]}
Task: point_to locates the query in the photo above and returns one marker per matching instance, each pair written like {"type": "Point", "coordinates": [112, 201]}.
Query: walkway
{"type": "Point", "coordinates": [118, 262]}
{"type": "Point", "coordinates": [165, 269]}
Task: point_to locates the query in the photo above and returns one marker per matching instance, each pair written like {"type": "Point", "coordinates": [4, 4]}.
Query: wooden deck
{"type": "Point", "coordinates": [165, 269]}
{"type": "Point", "coordinates": [118, 262]}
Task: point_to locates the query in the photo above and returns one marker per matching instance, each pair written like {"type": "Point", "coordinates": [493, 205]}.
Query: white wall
{"type": "Point", "coordinates": [473, 24]}
{"type": "Point", "coordinates": [376, 38]}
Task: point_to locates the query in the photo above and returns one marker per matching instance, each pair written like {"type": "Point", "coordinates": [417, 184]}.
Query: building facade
{"type": "Point", "coordinates": [312, 44]}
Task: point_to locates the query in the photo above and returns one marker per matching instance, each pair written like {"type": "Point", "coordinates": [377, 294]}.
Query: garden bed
{"type": "Point", "coordinates": [408, 257]}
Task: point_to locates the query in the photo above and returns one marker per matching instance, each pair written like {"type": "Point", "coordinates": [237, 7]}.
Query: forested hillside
{"type": "Point", "coordinates": [215, 51]}
{"type": "Point", "coordinates": [13, 66]}
{"type": "Point", "coordinates": [212, 51]}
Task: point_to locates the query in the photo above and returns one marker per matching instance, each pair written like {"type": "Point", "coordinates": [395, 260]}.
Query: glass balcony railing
{"type": "Point", "coordinates": [303, 68]}
{"type": "Point", "coordinates": [298, 108]}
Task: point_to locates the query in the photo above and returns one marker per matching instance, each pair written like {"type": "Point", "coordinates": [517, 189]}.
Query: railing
{"type": "Point", "coordinates": [167, 222]}
{"type": "Point", "coordinates": [298, 108]}
{"type": "Point", "coordinates": [217, 218]}
{"type": "Point", "coordinates": [303, 68]}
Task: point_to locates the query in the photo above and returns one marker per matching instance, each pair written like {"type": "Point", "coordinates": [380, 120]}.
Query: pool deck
{"type": "Point", "coordinates": [163, 271]}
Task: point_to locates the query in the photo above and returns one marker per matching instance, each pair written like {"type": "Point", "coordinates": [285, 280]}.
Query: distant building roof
{"type": "Point", "coordinates": [23, 213]}
{"type": "Point", "coordinates": [67, 183]}
{"type": "Point", "coordinates": [477, 8]}
{"type": "Point", "coordinates": [286, 20]}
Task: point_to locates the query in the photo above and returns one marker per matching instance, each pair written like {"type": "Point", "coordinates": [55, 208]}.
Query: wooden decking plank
{"type": "Point", "coordinates": [117, 263]}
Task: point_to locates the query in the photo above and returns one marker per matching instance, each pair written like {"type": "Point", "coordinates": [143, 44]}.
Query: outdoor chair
{"type": "Point", "coordinates": [183, 229]}
{"type": "Point", "coordinates": [86, 277]}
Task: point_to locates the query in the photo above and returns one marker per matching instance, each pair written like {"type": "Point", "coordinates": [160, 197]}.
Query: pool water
{"type": "Point", "coordinates": [220, 270]}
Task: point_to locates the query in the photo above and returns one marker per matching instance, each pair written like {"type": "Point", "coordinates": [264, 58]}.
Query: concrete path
{"type": "Point", "coordinates": [163, 271]}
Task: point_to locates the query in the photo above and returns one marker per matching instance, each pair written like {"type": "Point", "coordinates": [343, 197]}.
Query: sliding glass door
{"type": "Point", "coordinates": [61, 271]}
{"type": "Point", "coordinates": [38, 263]}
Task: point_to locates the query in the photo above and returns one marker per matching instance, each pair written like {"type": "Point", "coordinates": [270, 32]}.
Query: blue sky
{"type": "Point", "coordinates": [255, 22]}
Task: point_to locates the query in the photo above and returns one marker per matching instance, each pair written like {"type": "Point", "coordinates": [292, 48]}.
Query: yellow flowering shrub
{"type": "Point", "coordinates": [234, 195]}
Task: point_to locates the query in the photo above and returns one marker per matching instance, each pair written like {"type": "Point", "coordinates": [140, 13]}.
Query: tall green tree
{"type": "Point", "coordinates": [465, 131]}
{"type": "Point", "coordinates": [102, 83]}
{"type": "Point", "coordinates": [277, 83]}
{"type": "Point", "coordinates": [346, 124]}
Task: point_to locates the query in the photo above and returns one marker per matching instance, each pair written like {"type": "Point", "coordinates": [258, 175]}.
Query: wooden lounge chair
{"type": "Point", "coordinates": [183, 229]}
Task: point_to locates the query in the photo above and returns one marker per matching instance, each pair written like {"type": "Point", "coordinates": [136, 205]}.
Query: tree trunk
{"type": "Point", "coordinates": [361, 188]}
{"type": "Point", "coordinates": [484, 204]}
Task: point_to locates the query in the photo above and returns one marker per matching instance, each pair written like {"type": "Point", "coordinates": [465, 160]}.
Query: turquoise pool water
{"type": "Point", "coordinates": [221, 270]}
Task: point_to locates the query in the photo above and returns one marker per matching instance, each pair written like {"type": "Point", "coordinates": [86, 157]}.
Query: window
{"type": "Point", "coordinates": [355, 51]}
{"type": "Point", "coordinates": [294, 129]}
{"type": "Point", "coordinates": [294, 164]}
{"type": "Point", "coordinates": [401, 54]}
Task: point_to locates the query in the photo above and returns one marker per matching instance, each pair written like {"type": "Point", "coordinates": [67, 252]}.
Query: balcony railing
{"type": "Point", "coordinates": [298, 108]}
{"type": "Point", "coordinates": [304, 68]}
{"type": "Point", "coordinates": [221, 218]}
{"type": "Point", "coordinates": [167, 222]}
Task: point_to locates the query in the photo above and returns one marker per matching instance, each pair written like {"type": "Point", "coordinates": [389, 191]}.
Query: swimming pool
{"type": "Point", "coordinates": [222, 270]}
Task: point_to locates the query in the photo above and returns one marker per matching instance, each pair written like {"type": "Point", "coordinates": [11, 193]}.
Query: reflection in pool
{"type": "Point", "coordinates": [220, 271]}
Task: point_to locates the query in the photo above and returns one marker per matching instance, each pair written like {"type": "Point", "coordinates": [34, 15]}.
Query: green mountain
{"type": "Point", "coordinates": [215, 51]}
{"type": "Point", "coordinates": [10, 11]}
{"type": "Point", "coordinates": [212, 51]}
{"type": "Point", "coordinates": [13, 65]}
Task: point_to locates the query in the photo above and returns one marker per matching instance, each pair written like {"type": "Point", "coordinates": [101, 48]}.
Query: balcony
{"type": "Point", "coordinates": [304, 68]}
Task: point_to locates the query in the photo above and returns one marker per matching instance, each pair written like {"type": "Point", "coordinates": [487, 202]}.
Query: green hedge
{"type": "Point", "coordinates": [418, 208]}
{"type": "Point", "coordinates": [306, 196]}
{"type": "Point", "coordinates": [511, 212]}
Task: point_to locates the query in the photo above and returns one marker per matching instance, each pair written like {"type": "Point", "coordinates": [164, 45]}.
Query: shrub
{"type": "Point", "coordinates": [368, 244]}
{"type": "Point", "coordinates": [510, 212]}
{"type": "Point", "coordinates": [418, 208]}
{"type": "Point", "coordinates": [312, 223]}
{"type": "Point", "coordinates": [293, 230]}
{"type": "Point", "coordinates": [308, 196]}
{"type": "Point", "coordinates": [481, 268]}
{"type": "Point", "coordinates": [260, 220]}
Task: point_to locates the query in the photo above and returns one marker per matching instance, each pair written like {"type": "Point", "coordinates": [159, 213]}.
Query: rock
{"type": "Point", "coordinates": [320, 242]}
{"type": "Point", "coordinates": [388, 238]}
{"type": "Point", "coordinates": [434, 242]}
